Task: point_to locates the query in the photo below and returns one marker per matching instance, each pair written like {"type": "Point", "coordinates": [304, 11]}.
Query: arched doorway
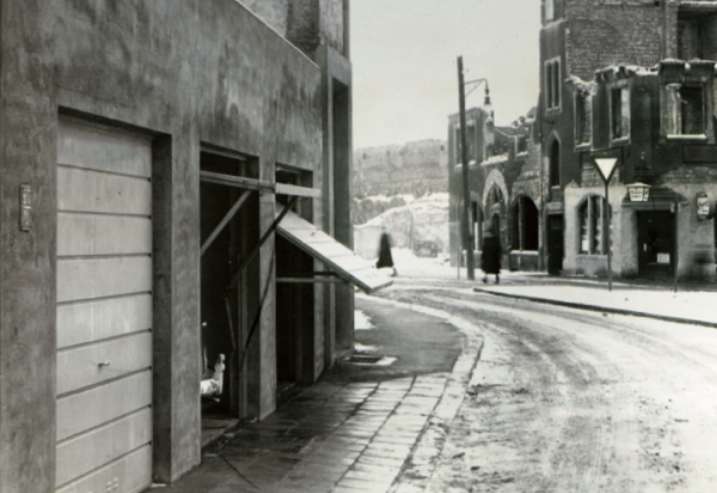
{"type": "Point", "coordinates": [525, 225]}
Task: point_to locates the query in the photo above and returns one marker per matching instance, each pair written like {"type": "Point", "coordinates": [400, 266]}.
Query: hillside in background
{"type": "Point", "coordinates": [420, 226]}
{"type": "Point", "coordinates": [404, 191]}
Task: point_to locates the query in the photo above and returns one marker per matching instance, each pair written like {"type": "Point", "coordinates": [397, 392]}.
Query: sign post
{"type": "Point", "coordinates": [606, 168]}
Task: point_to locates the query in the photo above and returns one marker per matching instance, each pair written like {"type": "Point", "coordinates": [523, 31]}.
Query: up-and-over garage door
{"type": "Point", "coordinates": [104, 310]}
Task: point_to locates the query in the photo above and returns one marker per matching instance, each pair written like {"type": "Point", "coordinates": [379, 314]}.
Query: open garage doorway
{"type": "Point", "coordinates": [229, 221]}
{"type": "Point", "coordinates": [295, 301]}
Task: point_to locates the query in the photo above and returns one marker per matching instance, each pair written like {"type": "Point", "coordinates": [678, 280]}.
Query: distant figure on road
{"type": "Point", "coordinates": [384, 253]}
{"type": "Point", "coordinates": [490, 256]}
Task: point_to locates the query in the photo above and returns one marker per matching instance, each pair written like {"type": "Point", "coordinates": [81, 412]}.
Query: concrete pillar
{"type": "Point", "coordinates": [261, 354]}
{"type": "Point", "coordinates": [28, 118]}
{"type": "Point", "coordinates": [176, 339]}
{"type": "Point", "coordinates": [342, 207]}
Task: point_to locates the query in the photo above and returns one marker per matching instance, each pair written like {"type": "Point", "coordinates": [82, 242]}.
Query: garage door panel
{"type": "Point", "coordinates": [135, 471]}
{"type": "Point", "coordinates": [92, 450]}
{"type": "Point", "coordinates": [90, 191]}
{"type": "Point", "coordinates": [92, 234]}
{"type": "Point", "coordinates": [83, 279]}
{"type": "Point", "coordinates": [83, 322]}
{"type": "Point", "coordinates": [80, 367]}
{"type": "Point", "coordinates": [104, 310]}
{"type": "Point", "coordinates": [108, 402]}
{"type": "Point", "coordinates": [91, 148]}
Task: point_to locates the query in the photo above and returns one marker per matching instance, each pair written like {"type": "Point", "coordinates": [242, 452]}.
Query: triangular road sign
{"type": "Point", "coordinates": [606, 167]}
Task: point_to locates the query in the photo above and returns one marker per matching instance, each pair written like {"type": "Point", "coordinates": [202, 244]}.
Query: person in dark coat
{"type": "Point", "coordinates": [384, 253]}
{"type": "Point", "coordinates": [491, 256]}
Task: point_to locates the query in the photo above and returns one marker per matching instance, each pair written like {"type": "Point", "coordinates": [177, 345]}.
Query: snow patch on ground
{"type": "Point", "coordinates": [362, 321]}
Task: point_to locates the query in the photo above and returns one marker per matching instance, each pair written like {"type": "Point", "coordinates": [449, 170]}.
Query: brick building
{"type": "Point", "coordinates": [149, 150]}
{"type": "Point", "coordinates": [505, 177]}
{"type": "Point", "coordinates": [603, 94]}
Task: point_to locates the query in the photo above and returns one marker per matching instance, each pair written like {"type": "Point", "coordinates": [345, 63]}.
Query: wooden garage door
{"type": "Point", "coordinates": [104, 311]}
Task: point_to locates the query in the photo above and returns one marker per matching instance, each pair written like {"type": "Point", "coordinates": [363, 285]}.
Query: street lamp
{"type": "Point", "coordinates": [639, 192]}
{"type": "Point", "coordinates": [606, 168]}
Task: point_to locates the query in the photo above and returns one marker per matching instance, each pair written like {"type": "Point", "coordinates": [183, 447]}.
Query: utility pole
{"type": "Point", "coordinates": [468, 229]}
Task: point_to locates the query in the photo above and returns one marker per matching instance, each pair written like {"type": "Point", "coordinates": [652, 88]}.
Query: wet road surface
{"type": "Point", "coordinates": [565, 400]}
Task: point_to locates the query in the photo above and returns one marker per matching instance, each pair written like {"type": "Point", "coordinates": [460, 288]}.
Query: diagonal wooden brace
{"type": "Point", "coordinates": [255, 250]}
{"type": "Point", "coordinates": [228, 217]}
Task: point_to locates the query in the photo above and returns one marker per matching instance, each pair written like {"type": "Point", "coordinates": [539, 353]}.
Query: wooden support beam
{"type": "Point", "coordinates": [228, 217]}
{"type": "Point", "coordinates": [310, 280]}
{"type": "Point", "coordinates": [257, 247]}
{"type": "Point", "coordinates": [286, 189]}
{"type": "Point", "coordinates": [235, 181]}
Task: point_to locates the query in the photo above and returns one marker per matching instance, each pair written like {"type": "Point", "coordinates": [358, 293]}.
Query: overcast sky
{"type": "Point", "coordinates": [405, 79]}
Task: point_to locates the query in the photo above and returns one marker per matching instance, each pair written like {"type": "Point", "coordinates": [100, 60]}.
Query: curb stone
{"type": "Point", "coordinates": [421, 462]}
{"type": "Point", "coordinates": [598, 308]}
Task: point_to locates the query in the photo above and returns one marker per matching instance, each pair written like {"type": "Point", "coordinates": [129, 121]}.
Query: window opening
{"type": "Point", "coordinates": [552, 84]}
{"type": "Point", "coordinates": [555, 164]}
{"type": "Point", "coordinates": [549, 10]}
{"type": "Point", "coordinates": [685, 108]}
{"type": "Point", "coordinates": [620, 112]}
{"type": "Point", "coordinates": [556, 84]}
{"type": "Point", "coordinates": [549, 84]}
{"type": "Point", "coordinates": [692, 106]}
{"type": "Point", "coordinates": [583, 117]}
{"type": "Point", "coordinates": [592, 217]}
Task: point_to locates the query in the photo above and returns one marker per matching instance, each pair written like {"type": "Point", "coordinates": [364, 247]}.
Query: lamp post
{"type": "Point", "coordinates": [468, 228]}
{"type": "Point", "coordinates": [606, 168]}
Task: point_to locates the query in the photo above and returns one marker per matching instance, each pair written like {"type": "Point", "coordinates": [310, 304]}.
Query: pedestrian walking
{"type": "Point", "coordinates": [491, 256]}
{"type": "Point", "coordinates": [384, 253]}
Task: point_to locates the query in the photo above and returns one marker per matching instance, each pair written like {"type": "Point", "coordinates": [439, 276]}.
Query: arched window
{"type": "Point", "coordinates": [591, 215]}
{"type": "Point", "coordinates": [525, 225]}
{"type": "Point", "coordinates": [555, 164]}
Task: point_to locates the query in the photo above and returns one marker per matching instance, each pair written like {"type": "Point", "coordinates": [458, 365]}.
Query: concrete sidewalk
{"type": "Point", "coordinates": [693, 304]}
{"type": "Point", "coordinates": [361, 428]}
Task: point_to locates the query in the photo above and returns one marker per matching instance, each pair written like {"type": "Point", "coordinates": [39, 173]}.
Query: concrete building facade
{"type": "Point", "coordinates": [129, 131]}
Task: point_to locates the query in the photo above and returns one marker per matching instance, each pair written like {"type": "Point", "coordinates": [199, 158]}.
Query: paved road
{"type": "Point", "coordinates": [574, 401]}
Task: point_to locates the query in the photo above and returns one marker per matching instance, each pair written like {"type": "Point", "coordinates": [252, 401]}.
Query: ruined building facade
{"type": "Point", "coordinates": [632, 81]}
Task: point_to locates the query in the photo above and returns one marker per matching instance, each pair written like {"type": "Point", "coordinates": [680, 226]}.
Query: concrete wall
{"type": "Point", "coordinates": [190, 76]}
{"type": "Point", "coordinates": [332, 25]}
{"type": "Point", "coordinates": [307, 23]}
{"type": "Point", "coordinates": [274, 12]}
